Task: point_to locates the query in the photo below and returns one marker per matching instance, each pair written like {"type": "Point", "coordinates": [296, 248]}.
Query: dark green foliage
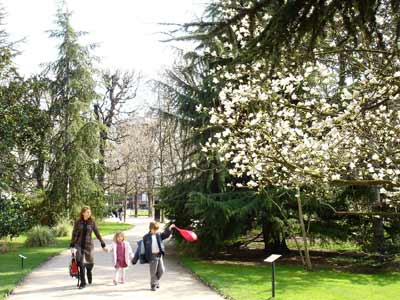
{"type": "Point", "coordinates": [22, 123]}
{"type": "Point", "coordinates": [24, 126]}
{"type": "Point", "coordinates": [74, 145]}
{"type": "Point", "coordinates": [220, 219]}
{"type": "Point", "coordinates": [48, 134]}
{"type": "Point", "coordinates": [223, 217]}
{"type": "Point", "coordinates": [298, 26]}
{"type": "Point", "coordinates": [360, 225]}
{"type": "Point", "coordinates": [15, 217]}
{"type": "Point", "coordinates": [174, 201]}
{"type": "Point", "coordinates": [23, 129]}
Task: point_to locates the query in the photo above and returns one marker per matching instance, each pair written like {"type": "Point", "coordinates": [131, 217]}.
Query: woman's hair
{"type": "Point", "coordinates": [118, 234]}
{"type": "Point", "coordinates": [154, 225]}
{"type": "Point", "coordinates": [83, 210]}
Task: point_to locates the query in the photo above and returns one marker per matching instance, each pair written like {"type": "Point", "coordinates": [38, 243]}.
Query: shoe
{"type": "Point", "coordinates": [158, 286]}
{"type": "Point", "coordinates": [82, 286]}
{"type": "Point", "coordinates": [153, 287]}
{"type": "Point", "coordinates": [115, 282]}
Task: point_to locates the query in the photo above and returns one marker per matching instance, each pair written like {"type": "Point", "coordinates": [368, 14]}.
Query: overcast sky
{"type": "Point", "coordinates": [126, 30]}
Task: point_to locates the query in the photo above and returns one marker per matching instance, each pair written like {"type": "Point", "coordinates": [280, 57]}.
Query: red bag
{"type": "Point", "coordinates": [73, 267]}
{"type": "Point", "coordinates": [188, 235]}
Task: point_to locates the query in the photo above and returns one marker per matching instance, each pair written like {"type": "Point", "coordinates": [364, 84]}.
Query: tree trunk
{"type": "Point", "coordinates": [136, 204]}
{"type": "Point", "coordinates": [150, 199]}
{"type": "Point", "coordinates": [125, 202]}
{"type": "Point", "coordinates": [378, 239]}
{"type": "Point", "coordinates": [266, 232]}
{"type": "Point", "coordinates": [102, 151]}
{"type": "Point", "coordinates": [342, 70]}
{"type": "Point", "coordinates": [150, 186]}
{"type": "Point", "coordinates": [273, 243]}
{"type": "Point", "coordinates": [39, 170]}
{"type": "Point", "coordinates": [162, 216]}
{"type": "Point", "coordinates": [103, 139]}
{"type": "Point", "coordinates": [300, 251]}
{"type": "Point", "coordinates": [303, 230]}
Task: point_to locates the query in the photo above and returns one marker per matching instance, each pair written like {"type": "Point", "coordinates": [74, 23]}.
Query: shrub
{"type": "Point", "coordinates": [14, 216]}
{"type": "Point", "coordinates": [37, 207]}
{"type": "Point", "coordinates": [62, 228]}
{"type": "Point", "coordinates": [39, 236]}
{"type": "Point", "coordinates": [4, 246]}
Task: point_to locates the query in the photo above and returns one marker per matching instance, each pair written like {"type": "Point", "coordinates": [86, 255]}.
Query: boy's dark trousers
{"type": "Point", "coordinates": [157, 269]}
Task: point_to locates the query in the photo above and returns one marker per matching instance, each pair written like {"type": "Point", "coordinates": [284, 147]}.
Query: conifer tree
{"type": "Point", "coordinates": [74, 145]}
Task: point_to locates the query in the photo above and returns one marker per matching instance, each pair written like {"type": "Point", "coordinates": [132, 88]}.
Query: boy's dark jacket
{"type": "Point", "coordinates": [144, 252]}
{"type": "Point", "coordinates": [139, 254]}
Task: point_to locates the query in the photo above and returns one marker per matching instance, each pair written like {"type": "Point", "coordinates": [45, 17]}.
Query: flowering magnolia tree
{"type": "Point", "coordinates": [325, 116]}
{"type": "Point", "coordinates": [294, 129]}
{"type": "Point", "coordinates": [302, 122]}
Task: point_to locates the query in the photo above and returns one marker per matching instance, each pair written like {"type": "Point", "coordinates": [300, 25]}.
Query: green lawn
{"type": "Point", "coordinates": [253, 282]}
{"type": "Point", "coordinates": [141, 213]}
{"type": "Point", "coordinates": [326, 246]}
{"type": "Point", "coordinates": [111, 227]}
{"type": "Point", "coordinates": [10, 266]}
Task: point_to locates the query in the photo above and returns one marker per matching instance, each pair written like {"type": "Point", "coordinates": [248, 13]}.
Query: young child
{"type": "Point", "coordinates": [154, 252]}
{"type": "Point", "coordinates": [122, 255]}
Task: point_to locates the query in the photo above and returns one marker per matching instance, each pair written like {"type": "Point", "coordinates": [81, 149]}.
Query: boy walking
{"type": "Point", "coordinates": [154, 252]}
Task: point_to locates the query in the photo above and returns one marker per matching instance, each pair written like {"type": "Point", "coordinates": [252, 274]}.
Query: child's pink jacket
{"type": "Point", "coordinates": [128, 252]}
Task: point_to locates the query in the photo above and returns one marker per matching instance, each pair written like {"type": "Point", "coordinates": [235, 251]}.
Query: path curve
{"type": "Point", "coordinates": [52, 281]}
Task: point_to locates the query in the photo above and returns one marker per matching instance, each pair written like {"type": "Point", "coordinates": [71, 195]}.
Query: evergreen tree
{"type": "Point", "coordinates": [74, 145]}
{"type": "Point", "coordinates": [22, 122]}
{"type": "Point", "coordinates": [9, 108]}
{"type": "Point", "coordinates": [201, 197]}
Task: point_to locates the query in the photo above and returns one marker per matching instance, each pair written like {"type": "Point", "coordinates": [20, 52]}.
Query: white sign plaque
{"type": "Point", "coordinates": [272, 258]}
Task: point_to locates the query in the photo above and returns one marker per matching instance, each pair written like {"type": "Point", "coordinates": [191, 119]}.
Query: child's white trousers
{"type": "Point", "coordinates": [119, 275]}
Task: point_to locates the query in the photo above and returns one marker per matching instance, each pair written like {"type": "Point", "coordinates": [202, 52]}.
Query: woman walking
{"type": "Point", "coordinates": [82, 244]}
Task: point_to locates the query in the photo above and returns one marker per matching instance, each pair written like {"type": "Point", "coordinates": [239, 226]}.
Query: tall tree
{"type": "Point", "coordinates": [128, 160]}
{"type": "Point", "coordinates": [74, 145]}
{"type": "Point", "coordinates": [22, 121]}
{"type": "Point", "coordinates": [9, 108]}
{"type": "Point", "coordinates": [259, 55]}
{"type": "Point", "coordinates": [317, 114]}
{"type": "Point", "coordinates": [119, 89]}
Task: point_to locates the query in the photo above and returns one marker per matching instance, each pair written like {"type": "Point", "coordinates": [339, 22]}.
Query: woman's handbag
{"type": "Point", "coordinates": [73, 268]}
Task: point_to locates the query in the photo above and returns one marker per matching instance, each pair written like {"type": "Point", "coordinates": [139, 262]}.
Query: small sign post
{"type": "Point", "coordinates": [22, 260]}
{"type": "Point", "coordinates": [271, 259]}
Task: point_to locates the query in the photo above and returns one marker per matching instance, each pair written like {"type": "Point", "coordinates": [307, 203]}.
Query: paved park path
{"type": "Point", "coordinates": [52, 281]}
